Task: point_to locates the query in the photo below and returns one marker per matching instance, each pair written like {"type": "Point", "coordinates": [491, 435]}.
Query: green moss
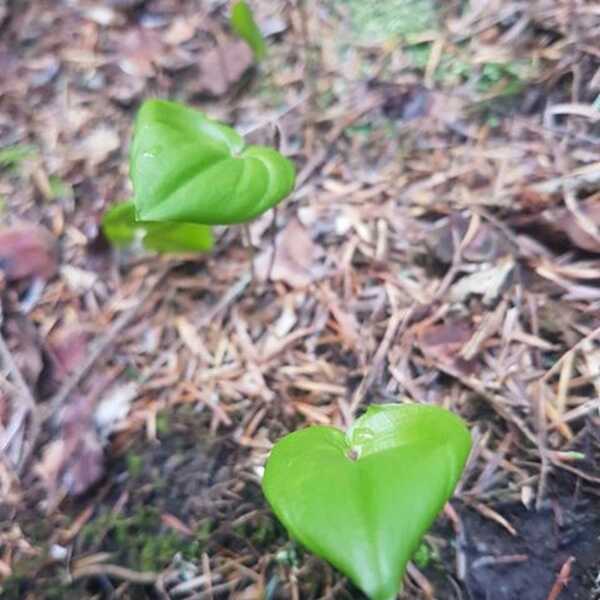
{"type": "Point", "coordinates": [139, 540]}
{"type": "Point", "coordinates": [14, 588]}
{"type": "Point", "coordinates": [378, 21]}
{"type": "Point", "coordinates": [13, 156]}
{"type": "Point", "coordinates": [135, 465]}
{"type": "Point", "coordinates": [422, 556]}
{"type": "Point", "coordinates": [203, 530]}
{"type": "Point", "coordinates": [265, 531]}
{"type": "Point", "coordinates": [163, 425]}
{"type": "Point", "coordinates": [59, 188]}
{"type": "Point", "coordinates": [158, 551]}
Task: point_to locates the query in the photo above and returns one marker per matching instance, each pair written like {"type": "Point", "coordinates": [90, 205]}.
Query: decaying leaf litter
{"type": "Point", "coordinates": [441, 245]}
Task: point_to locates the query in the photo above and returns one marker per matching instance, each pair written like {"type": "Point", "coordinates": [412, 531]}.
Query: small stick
{"type": "Point", "coordinates": [116, 571]}
{"type": "Point", "coordinates": [578, 346]}
{"type": "Point", "coordinates": [394, 323]}
{"type": "Point", "coordinates": [248, 239]}
{"type": "Point", "coordinates": [207, 573]}
{"type": "Point", "coordinates": [562, 579]}
{"type": "Point", "coordinates": [9, 361]}
{"type": "Point", "coordinates": [273, 232]}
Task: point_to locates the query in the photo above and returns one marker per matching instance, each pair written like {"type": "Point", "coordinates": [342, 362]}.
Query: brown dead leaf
{"type": "Point", "coordinates": [71, 466]}
{"type": "Point", "coordinates": [296, 257]}
{"type": "Point", "coordinates": [27, 251]}
{"type": "Point", "coordinates": [223, 66]}
{"type": "Point", "coordinates": [487, 244]}
{"type": "Point", "coordinates": [78, 280]}
{"type": "Point", "coordinates": [138, 50]}
{"type": "Point", "coordinates": [181, 30]}
{"type": "Point", "coordinates": [74, 461]}
{"type": "Point", "coordinates": [488, 282]}
{"type": "Point", "coordinates": [446, 339]}
{"type": "Point", "coordinates": [345, 321]}
{"type": "Point", "coordinates": [443, 343]}
{"type": "Point", "coordinates": [113, 408]}
{"type": "Point", "coordinates": [583, 229]}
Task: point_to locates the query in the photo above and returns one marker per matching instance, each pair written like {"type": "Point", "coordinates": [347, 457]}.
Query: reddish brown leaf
{"type": "Point", "coordinates": [224, 66]}
{"type": "Point", "coordinates": [67, 348]}
{"type": "Point", "coordinates": [139, 51]}
{"type": "Point", "coordinates": [445, 339]}
{"type": "Point", "coordinates": [443, 343]}
{"type": "Point", "coordinates": [27, 251]}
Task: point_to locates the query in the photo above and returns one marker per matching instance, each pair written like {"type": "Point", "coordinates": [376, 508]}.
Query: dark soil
{"type": "Point", "coordinates": [545, 540]}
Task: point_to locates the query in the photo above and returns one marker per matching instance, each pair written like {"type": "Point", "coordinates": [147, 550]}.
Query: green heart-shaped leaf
{"type": "Point", "coordinates": [186, 167]}
{"type": "Point", "coordinates": [363, 500]}
{"type": "Point", "coordinates": [121, 228]}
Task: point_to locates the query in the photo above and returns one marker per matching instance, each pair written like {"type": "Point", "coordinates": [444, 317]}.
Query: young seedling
{"type": "Point", "coordinates": [243, 23]}
{"type": "Point", "coordinates": [193, 172]}
{"type": "Point", "coordinates": [364, 499]}
{"type": "Point", "coordinates": [188, 168]}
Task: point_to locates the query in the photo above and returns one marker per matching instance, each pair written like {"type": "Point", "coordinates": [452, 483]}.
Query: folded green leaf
{"type": "Point", "coordinates": [243, 23]}
{"type": "Point", "coordinates": [119, 224]}
{"type": "Point", "coordinates": [363, 500]}
{"type": "Point", "coordinates": [121, 228]}
{"type": "Point", "coordinates": [186, 167]}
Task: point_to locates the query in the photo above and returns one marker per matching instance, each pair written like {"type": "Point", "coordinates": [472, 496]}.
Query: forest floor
{"type": "Point", "coordinates": [442, 246]}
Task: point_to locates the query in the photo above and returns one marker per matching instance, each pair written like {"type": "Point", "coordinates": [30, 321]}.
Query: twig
{"type": "Point", "coordinates": [332, 593]}
{"type": "Point", "coordinates": [216, 589]}
{"type": "Point", "coordinates": [207, 573]}
{"type": "Point", "coordinates": [562, 579]}
{"type": "Point", "coordinates": [422, 582]}
{"type": "Point", "coordinates": [273, 235]}
{"type": "Point", "coordinates": [228, 297]}
{"type": "Point", "coordinates": [248, 240]}
{"type": "Point", "coordinates": [26, 396]}
{"type": "Point", "coordinates": [377, 364]}
{"type": "Point", "coordinates": [578, 346]}
{"type": "Point", "coordinates": [272, 120]}
{"type": "Point", "coordinates": [9, 361]}
{"type": "Point", "coordinates": [98, 570]}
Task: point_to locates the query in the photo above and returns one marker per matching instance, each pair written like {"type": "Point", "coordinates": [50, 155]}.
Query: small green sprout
{"type": "Point", "coordinates": [243, 23]}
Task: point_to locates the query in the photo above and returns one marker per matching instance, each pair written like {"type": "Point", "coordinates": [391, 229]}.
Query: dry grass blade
{"type": "Point", "coordinates": [27, 409]}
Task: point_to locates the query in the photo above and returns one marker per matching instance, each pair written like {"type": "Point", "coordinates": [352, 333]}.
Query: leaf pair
{"type": "Point", "coordinates": [189, 172]}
